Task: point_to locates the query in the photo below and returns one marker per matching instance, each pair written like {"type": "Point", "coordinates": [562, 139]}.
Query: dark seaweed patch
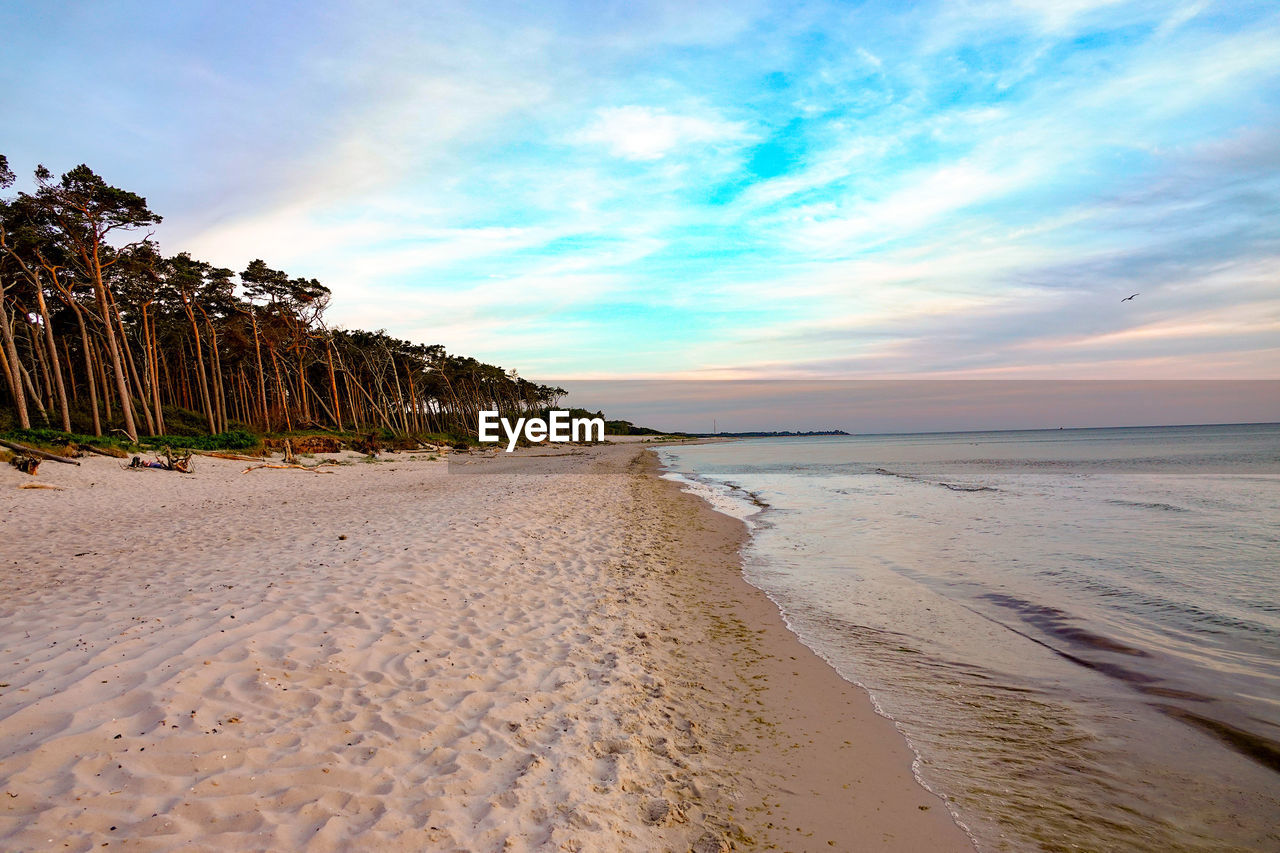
{"type": "Point", "coordinates": [1261, 750]}
{"type": "Point", "coordinates": [1057, 623]}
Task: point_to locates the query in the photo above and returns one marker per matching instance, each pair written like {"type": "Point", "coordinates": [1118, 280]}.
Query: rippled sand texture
{"type": "Point", "coordinates": [482, 663]}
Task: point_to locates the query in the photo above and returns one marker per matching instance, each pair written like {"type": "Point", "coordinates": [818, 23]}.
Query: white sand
{"type": "Point", "coordinates": [476, 666]}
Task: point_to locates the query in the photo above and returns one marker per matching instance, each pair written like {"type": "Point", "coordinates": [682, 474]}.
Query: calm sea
{"type": "Point", "coordinates": [1077, 630]}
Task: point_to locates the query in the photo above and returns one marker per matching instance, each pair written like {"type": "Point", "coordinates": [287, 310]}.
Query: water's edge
{"type": "Point", "coordinates": [752, 511]}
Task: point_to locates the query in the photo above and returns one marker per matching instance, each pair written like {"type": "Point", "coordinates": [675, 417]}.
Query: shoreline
{"type": "Point", "coordinates": [817, 767]}
{"type": "Point", "coordinates": [557, 653]}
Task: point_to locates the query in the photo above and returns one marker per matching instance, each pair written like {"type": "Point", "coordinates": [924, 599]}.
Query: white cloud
{"type": "Point", "coordinates": [934, 194]}
{"type": "Point", "coordinates": [644, 133]}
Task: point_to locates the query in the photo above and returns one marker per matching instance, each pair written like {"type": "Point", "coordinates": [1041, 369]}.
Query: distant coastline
{"type": "Point", "coordinates": [767, 434]}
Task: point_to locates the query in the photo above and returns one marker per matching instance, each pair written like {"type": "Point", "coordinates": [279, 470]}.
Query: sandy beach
{"type": "Point", "coordinates": [549, 651]}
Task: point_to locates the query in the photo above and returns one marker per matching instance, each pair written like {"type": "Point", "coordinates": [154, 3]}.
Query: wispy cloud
{"type": "Point", "coordinates": [718, 189]}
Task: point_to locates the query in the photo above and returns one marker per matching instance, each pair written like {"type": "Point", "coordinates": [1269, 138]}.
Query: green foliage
{"type": "Point", "coordinates": [230, 440]}
{"type": "Point", "coordinates": [45, 439]}
{"type": "Point", "coordinates": [52, 438]}
{"type": "Point", "coordinates": [85, 197]}
{"type": "Point", "coordinates": [180, 421]}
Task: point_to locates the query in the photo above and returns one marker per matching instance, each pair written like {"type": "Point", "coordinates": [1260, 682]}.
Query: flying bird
{"type": "Point", "coordinates": [1127, 298]}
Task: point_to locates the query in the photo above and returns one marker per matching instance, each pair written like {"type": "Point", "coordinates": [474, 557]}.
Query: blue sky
{"type": "Point", "coordinates": [709, 190]}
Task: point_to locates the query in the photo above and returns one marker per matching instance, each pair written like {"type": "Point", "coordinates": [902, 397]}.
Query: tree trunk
{"type": "Point", "coordinates": [34, 395]}
{"type": "Point", "coordinates": [284, 400]}
{"type": "Point", "coordinates": [199, 353]}
{"type": "Point", "coordinates": [113, 348]}
{"type": "Point", "coordinates": [333, 386]}
{"type": "Point", "coordinates": [262, 380]}
{"type": "Point", "coordinates": [133, 370]}
{"type": "Point", "coordinates": [151, 353]}
{"type": "Point", "coordinates": [13, 374]}
{"type": "Point", "coordinates": [43, 381]}
{"type": "Point", "coordinates": [56, 367]}
{"type": "Point", "coordinates": [219, 393]}
{"type": "Point", "coordinates": [71, 371]}
{"type": "Point", "coordinates": [65, 295]}
{"type": "Point", "coordinates": [88, 370]}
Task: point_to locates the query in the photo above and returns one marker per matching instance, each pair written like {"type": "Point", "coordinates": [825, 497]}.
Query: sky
{"type": "Point", "coordinates": [740, 190]}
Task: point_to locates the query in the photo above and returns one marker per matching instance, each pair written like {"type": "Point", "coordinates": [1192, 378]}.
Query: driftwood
{"type": "Point", "coordinates": [25, 464]}
{"type": "Point", "coordinates": [222, 454]}
{"type": "Point", "coordinates": [314, 469]}
{"type": "Point", "coordinates": [40, 486]}
{"type": "Point", "coordinates": [178, 461]}
{"type": "Point", "coordinates": [113, 453]}
{"type": "Point", "coordinates": [31, 451]}
{"type": "Point", "coordinates": [173, 461]}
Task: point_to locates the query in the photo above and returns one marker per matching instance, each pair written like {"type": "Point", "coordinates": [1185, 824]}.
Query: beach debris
{"type": "Point", "coordinates": [222, 454]}
{"type": "Point", "coordinates": [114, 452]}
{"type": "Point", "coordinates": [39, 454]}
{"type": "Point", "coordinates": [429, 448]}
{"type": "Point", "coordinates": [314, 469]}
{"type": "Point", "coordinates": [25, 464]}
{"type": "Point", "coordinates": [40, 486]}
{"type": "Point", "coordinates": [174, 460]}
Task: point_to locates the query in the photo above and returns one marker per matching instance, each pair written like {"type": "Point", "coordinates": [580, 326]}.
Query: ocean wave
{"type": "Point", "coordinates": [955, 487]}
{"type": "Point", "coordinates": [1147, 505]}
{"type": "Point", "coordinates": [725, 498]}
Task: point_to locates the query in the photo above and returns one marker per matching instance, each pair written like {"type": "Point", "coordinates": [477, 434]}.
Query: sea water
{"type": "Point", "coordinates": [1078, 631]}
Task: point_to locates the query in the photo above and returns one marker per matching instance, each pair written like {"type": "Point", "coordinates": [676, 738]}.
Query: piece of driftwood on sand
{"type": "Point", "coordinates": [314, 469]}
{"type": "Point", "coordinates": [26, 464]}
{"type": "Point", "coordinates": [31, 451]}
{"type": "Point", "coordinates": [113, 453]}
{"type": "Point", "coordinates": [221, 454]}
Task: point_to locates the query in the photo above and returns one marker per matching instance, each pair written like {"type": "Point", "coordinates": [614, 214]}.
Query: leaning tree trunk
{"type": "Point", "coordinates": [133, 370]}
{"type": "Point", "coordinates": [32, 394]}
{"type": "Point", "coordinates": [219, 392]}
{"type": "Point", "coordinates": [88, 369]}
{"type": "Point", "coordinates": [333, 386]}
{"type": "Point", "coordinates": [65, 295]}
{"type": "Point", "coordinates": [151, 353]}
{"type": "Point", "coordinates": [284, 399]}
{"type": "Point", "coordinates": [199, 352]}
{"type": "Point", "coordinates": [55, 365]}
{"type": "Point", "coordinates": [262, 377]}
{"type": "Point", "coordinates": [13, 374]}
{"type": "Point", "coordinates": [113, 346]}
